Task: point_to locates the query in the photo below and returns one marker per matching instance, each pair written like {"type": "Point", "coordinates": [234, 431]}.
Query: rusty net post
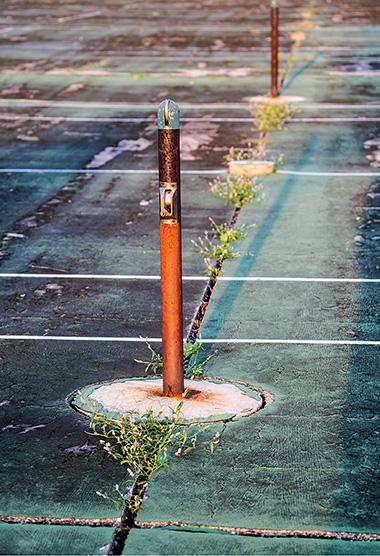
{"type": "Point", "coordinates": [274, 18]}
{"type": "Point", "coordinates": [170, 247]}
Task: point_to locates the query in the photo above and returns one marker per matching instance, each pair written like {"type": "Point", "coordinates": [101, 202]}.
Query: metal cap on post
{"type": "Point", "coordinates": [168, 121]}
{"type": "Point", "coordinates": [274, 48]}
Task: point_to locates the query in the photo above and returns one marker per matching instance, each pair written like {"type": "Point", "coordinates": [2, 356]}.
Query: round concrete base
{"type": "Point", "coordinates": [205, 401]}
{"type": "Point", "coordinates": [282, 99]}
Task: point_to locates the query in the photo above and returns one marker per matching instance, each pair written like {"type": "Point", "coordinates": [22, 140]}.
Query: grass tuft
{"type": "Point", "coordinates": [270, 116]}
{"type": "Point", "coordinates": [236, 190]}
{"type": "Point", "coordinates": [216, 246]}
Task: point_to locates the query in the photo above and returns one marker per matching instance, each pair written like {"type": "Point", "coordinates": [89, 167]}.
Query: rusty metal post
{"type": "Point", "coordinates": [274, 18]}
{"type": "Point", "coordinates": [170, 247]}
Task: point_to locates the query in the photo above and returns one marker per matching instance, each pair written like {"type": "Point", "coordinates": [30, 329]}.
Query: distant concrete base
{"type": "Point", "coordinates": [282, 99]}
{"type": "Point", "coordinates": [206, 400]}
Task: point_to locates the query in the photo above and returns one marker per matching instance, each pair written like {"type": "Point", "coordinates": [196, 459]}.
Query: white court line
{"type": "Point", "coordinates": [203, 341]}
{"type": "Point", "coordinates": [186, 278]}
{"type": "Point", "coordinates": [310, 173]}
{"type": "Point", "coordinates": [59, 119]}
{"type": "Point", "coordinates": [185, 172]}
{"type": "Point", "coordinates": [183, 105]}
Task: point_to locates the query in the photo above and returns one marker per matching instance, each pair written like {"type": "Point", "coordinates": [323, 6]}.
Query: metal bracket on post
{"type": "Point", "coordinates": [168, 202]}
{"type": "Point", "coordinates": [170, 248]}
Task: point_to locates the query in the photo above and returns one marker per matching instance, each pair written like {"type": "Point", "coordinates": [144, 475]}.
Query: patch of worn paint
{"type": "Point", "coordinates": [26, 427]}
{"type": "Point", "coordinates": [27, 138]}
{"type": "Point", "coordinates": [195, 135]}
{"type": "Point", "coordinates": [200, 72]}
{"type": "Point", "coordinates": [19, 90]}
{"type": "Point", "coordinates": [80, 134]}
{"type": "Point", "coordinates": [374, 157]}
{"type": "Point", "coordinates": [81, 450]}
{"type": "Point", "coordinates": [49, 288]}
{"type": "Point", "coordinates": [29, 222]}
{"type": "Point", "coordinates": [362, 68]}
{"type": "Point", "coordinates": [109, 153]}
{"type": "Point", "coordinates": [218, 44]}
{"type": "Point", "coordinates": [71, 89]}
{"type": "Point", "coordinates": [11, 235]}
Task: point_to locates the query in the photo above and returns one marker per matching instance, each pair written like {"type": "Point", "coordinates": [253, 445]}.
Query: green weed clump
{"type": "Point", "coordinates": [217, 246]}
{"type": "Point", "coordinates": [270, 116]}
{"type": "Point", "coordinates": [193, 361]}
{"type": "Point", "coordinates": [236, 190]}
{"type": "Point", "coordinates": [142, 443]}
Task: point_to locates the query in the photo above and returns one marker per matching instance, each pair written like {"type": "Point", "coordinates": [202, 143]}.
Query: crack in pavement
{"type": "Point", "coordinates": [194, 527]}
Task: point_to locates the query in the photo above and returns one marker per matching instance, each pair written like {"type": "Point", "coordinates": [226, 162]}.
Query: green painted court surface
{"type": "Point", "coordinates": [79, 90]}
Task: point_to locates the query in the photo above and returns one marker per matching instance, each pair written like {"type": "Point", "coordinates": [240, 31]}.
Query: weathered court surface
{"type": "Point", "coordinates": [79, 79]}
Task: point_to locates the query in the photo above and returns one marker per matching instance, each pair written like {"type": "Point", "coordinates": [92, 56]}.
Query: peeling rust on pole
{"type": "Point", "coordinates": [274, 48]}
{"type": "Point", "coordinates": [170, 248]}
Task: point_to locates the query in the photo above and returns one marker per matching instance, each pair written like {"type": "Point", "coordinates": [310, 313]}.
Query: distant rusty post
{"type": "Point", "coordinates": [274, 18]}
{"type": "Point", "coordinates": [170, 247]}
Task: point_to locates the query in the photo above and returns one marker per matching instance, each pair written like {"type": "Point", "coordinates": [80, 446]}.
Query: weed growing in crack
{"type": "Point", "coordinates": [217, 246]}
{"type": "Point", "coordinates": [142, 444]}
{"type": "Point", "coordinates": [235, 190]}
{"type": "Point", "coordinates": [270, 116]}
{"type": "Point", "coordinates": [193, 361]}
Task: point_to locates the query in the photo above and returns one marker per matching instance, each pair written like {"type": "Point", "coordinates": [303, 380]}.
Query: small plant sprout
{"type": "Point", "coordinates": [236, 190]}
{"type": "Point", "coordinates": [153, 366]}
{"type": "Point", "coordinates": [141, 444]}
{"type": "Point", "coordinates": [216, 246]}
{"type": "Point", "coordinates": [270, 116]}
{"type": "Point", "coordinates": [120, 498]}
{"type": "Point", "coordinates": [193, 361]}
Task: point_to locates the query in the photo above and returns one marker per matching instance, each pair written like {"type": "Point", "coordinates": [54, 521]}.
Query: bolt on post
{"type": "Point", "coordinates": [168, 120]}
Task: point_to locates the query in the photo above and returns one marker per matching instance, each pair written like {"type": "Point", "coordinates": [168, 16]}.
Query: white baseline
{"type": "Point", "coordinates": [203, 341]}
{"type": "Point", "coordinates": [67, 276]}
{"type": "Point", "coordinates": [199, 172]}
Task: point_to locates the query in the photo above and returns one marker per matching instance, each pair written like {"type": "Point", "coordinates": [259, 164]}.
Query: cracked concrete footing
{"type": "Point", "coordinates": [204, 400]}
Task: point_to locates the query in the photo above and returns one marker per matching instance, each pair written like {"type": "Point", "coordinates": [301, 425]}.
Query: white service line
{"type": "Point", "coordinates": [327, 174]}
{"type": "Point", "coordinates": [286, 341]}
{"type": "Point", "coordinates": [184, 172]}
{"type": "Point", "coordinates": [101, 119]}
{"type": "Point", "coordinates": [64, 276]}
{"type": "Point", "coordinates": [203, 341]}
{"type": "Point", "coordinates": [333, 120]}
{"type": "Point", "coordinates": [184, 105]}
{"type": "Point", "coordinates": [73, 171]}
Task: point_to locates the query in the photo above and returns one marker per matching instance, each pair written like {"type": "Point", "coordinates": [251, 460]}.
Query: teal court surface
{"type": "Point", "coordinates": [297, 314]}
